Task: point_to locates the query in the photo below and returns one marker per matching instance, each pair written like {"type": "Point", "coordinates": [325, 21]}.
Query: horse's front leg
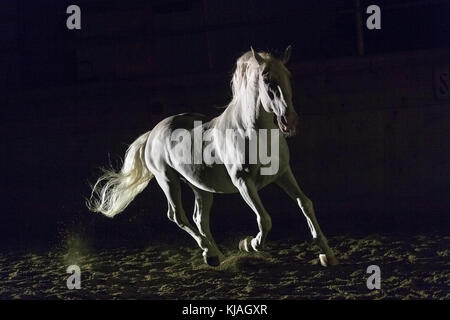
{"type": "Point", "coordinates": [249, 192]}
{"type": "Point", "coordinates": [288, 183]}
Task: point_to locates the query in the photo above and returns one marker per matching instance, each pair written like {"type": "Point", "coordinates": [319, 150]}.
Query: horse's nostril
{"type": "Point", "coordinates": [284, 120]}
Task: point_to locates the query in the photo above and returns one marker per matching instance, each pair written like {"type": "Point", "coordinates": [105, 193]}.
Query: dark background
{"type": "Point", "coordinates": [373, 150]}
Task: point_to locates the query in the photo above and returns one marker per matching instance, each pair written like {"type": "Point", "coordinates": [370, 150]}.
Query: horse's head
{"type": "Point", "coordinates": [275, 90]}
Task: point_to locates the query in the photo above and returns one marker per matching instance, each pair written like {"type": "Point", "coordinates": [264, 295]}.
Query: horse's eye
{"type": "Point", "coordinates": [270, 93]}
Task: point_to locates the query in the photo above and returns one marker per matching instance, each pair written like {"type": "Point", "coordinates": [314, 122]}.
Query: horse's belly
{"type": "Point", "coordinates": [213, 178]}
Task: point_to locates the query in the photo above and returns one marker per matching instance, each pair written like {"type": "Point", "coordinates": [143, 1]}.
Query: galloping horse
{"type": "Point", "coordinates": [261, 92]}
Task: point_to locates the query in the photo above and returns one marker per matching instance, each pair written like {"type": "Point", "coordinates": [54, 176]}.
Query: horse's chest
{"type": "Point", "coordinates": [265, 174]}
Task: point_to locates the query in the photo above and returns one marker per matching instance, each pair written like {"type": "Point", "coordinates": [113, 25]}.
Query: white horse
{"type": "Point", "coordinates": [261, 90]}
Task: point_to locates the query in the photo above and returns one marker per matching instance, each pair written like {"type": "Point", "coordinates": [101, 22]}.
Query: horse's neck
{"type": "Point", "coordinates": [247, 114]}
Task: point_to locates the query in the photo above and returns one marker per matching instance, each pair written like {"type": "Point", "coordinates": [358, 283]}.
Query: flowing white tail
{"type": "Point", "coordinates": [113, 191]}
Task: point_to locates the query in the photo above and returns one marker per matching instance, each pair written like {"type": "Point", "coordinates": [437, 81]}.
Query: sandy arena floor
{"type": "Point", "coordinates": [411, 268]}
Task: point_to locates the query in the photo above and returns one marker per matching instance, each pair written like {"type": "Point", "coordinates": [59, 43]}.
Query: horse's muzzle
{"type": "Point", "coordinates": [288, 123]}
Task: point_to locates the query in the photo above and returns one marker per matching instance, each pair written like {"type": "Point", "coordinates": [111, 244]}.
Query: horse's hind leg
{"type": "Point", "coordinates": [288, 183]}
{"type": "Point", "coordinates": [202, 210]}
{"type": "Point", "coordinates": [170, 184]}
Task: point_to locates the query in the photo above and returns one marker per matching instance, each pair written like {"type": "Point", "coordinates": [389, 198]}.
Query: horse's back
{"type": "Point", "coordinates": [185, 120]}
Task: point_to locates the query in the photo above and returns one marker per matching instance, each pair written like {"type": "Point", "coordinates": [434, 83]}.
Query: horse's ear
{"type": "Point", "coordinates": [257, 56]}
{"type": "Point", "coordinates": [287, 54]}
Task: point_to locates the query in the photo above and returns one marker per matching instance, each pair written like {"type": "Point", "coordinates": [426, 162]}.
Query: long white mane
{"type": "Point", "coordinates": [244, 84]}
{"type": "Point", "coordinates": [246, 74]}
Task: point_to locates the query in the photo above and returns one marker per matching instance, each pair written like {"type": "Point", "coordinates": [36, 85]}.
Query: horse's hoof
{"type": "Point", "coordinates": [212, 261]}
{"type": "Point", "coordinates": [245, 244]}
{"type": "Point", "coordinates": [328, 261]}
